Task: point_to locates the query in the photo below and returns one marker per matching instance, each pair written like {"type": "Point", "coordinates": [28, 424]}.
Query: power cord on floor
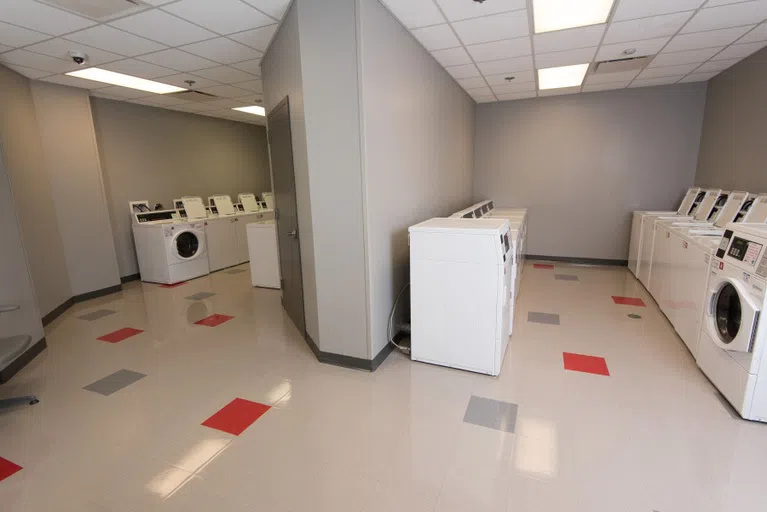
{"type": "Point", "coordinates": [389, 336]}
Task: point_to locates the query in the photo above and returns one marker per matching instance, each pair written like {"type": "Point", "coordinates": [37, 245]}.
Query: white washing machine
{"type": "Point", "coordinates": [517, 218]}
{"type": "Point", "coordinates": [733, 337]}
{"type": "Point", "coordinates": [169, 251]}
{"type": "Point", "coordinates": [637, 225]}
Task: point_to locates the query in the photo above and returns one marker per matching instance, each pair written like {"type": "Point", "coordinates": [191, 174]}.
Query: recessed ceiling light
{"type": "Point", "coordinates": [550, 15]}
{"type": "Point", "coordinates": [562, 76]}
{"type": "Point", "coordinates": [255, 109]}
{"type": "Point", "coordinates": [132, 82]}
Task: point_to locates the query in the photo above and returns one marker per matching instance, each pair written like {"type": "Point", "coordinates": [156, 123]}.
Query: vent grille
{"type": "Point", "coordinates": [98, 9]}
{"type": "Point", "coordinates": [620, 65]}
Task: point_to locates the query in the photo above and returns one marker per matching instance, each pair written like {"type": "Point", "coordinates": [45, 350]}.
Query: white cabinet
{"type": "Point", "coordinates": [221, 235]}
{"type": "Point", "coordinates": [264, 255]}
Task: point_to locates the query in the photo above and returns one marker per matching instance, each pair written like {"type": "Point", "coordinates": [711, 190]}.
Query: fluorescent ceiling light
{"type": "Point", "coordinates": [549, 15]}
{"type": "Point", "coordinates": [255, 109]}
{"type": "Point", "coordinates": [132, 82]}
{"type": "Point", "coordinates": [562, 76]}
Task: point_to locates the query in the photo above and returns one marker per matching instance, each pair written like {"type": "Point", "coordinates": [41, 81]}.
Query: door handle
{"type": "Point", "coordinates": [293, 234]}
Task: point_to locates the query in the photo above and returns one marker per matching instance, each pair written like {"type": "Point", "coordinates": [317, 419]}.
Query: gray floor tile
{"type": "Point", "coordinates": [200, 296]}
{"type": "Point", "coordinates": [95, 315]}
{"type": "Point", "coordinates": [543, 318]}
{"type": "Point", "coordinates": [566, 277]}
{"type": "Point", "coordinates": [115, 382]}
{"type": "Point", "coordinates": [236, 271]}
{"type": "Point", "coordinates": [490, 413]}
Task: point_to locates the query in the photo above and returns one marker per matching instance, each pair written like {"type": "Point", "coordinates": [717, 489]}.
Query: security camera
{"type": "Point", "coordinates": [79, 57]}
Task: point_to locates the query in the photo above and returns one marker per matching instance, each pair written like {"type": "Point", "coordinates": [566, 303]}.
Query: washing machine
{"type": "Point", "coordinates": [733, 336]}
{"type": "Point", "coordinates": [168, 250]}
{"type": "Point", "coordinates": [517, 218]}
{"type": "Point", "coordinates": [635, 245]}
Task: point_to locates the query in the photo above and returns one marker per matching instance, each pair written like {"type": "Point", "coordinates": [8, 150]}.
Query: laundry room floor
{"type": "Point", "coordinates": [205, 397]}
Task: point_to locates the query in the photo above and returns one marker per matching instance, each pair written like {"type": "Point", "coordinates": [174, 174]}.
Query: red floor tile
{"type": "Point", "coordinates": [120, 335]}
{"type": "Point", "coordinates": [629, 301]}
{"type": "Point", "coordinates": [586, 364]}
{"type": "Point", "coordinates": [236, 416]}
{"type": "Point", "coordinates": [214, 320]}
{"type": "Point", "coordinates": [543, 266]}
{"type": "Point", "coordinates": [7, 468]}
{"type": "Point", "coordinates": [174, 285]}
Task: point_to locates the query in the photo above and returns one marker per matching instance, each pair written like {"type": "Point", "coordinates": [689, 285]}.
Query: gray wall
{"type": "Point", "coordinates": [418, 133]}
{"type": "Point", "coordinates": [25, 162]}
{"type": "Point", "coordinates": [582, 163]}
{"type": "Point", "coordinates": [72, 159]}
{"type": "Point", "coordinates": [158, 155]}
{"type": "Point", "coordinates": [733, 153]}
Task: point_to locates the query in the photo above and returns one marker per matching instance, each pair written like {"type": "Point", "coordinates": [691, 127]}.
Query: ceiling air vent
{"type": "Point", "coordinates": [98, 9]}
{"type": "Point", "coordinates": [197, 96]}
{"type": "Point", "coordinates": [620, 65]}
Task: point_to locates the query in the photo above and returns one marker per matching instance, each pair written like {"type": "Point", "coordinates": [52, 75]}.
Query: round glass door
{"type": "Point", "coordinates": [187, 244]}
{"type": "Point", "coordinates": [727, 313]}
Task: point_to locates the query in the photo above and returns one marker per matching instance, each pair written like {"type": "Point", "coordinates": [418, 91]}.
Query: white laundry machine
{"type": "Point", "coordinates": [268, 198]}
{"type": "Point", "coordinates": [635, 245]}
{"type": "Point", "coordinates": [733, 336]}
{"type": "Point", "coordinates": [221, 231]}
{"type": "Point", "coordinates": [459, 293]}
{"type": "Point", "coordinates": [517, 218]}
{"type": "Point", "coordinates": [168, 251]}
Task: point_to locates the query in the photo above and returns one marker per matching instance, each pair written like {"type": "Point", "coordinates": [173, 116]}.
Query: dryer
{"type": "Point", "coordinates": [733, 336]}
{"type": "Point", "coordinates": [227, 234]}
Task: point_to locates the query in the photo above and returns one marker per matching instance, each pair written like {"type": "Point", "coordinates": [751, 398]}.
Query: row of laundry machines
{"type": "Point", "coordinates": [706, 267]}
{"type": "Point", "coordinates": [192, 239]}
{"type": "Point", "coordinates": [465, 273]}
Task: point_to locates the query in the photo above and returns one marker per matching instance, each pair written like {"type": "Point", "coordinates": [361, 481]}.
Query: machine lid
{"type": "Point", "coordinates": [707, 204]}
{"type": "Point", "coordinates": [223, 204]}
{"type": "Point", "coordinates": [195, 208]}
{"type": "Point", "coordinates": [249, 202]}
{"type": "Point", "coordinates": [758, 212]}
{"type": "Point", "coordinates": [730, 210]}
{"type": "Point", "coordinates": [686, 205]}
{"type": "Point", "coordinates": [735, 316]}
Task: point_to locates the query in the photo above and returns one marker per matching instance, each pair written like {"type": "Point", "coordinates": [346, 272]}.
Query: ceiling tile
{"type": "Point", "coordinates": [506, 49]}
{"type": "Point", "coordinates": [520, 77]}
{"type": "Point", "coordinates": [163, 27]}
{"type": "Point", "coordinates": [178, 60]}
{"type": "Point", "coordinates": [709, 39]}
{"type": "Point", "coordinates": [472, 83]}
{"type": "Point", "coordinates": [4, 48]}
{"type": "Point", "coordinates": [664, 71]}
{"type": "Point", "coordinates": [452, 57]}
{"type": "Point", "coordinates": [698, 77]}
{"type": "Point", "coordinates": [493, 28]}
{"type": "Point", "coordinates": [686, 57]}
{"type": "Point", "coordinates": [275, 8]}
{"type": "Point", "coordinates": [495, 67]}
{"type": "Point", "coordinates": [568, 58]}
{"type": "Point", "coordinates": [138, 68]}
{"type": "Point", "coordinates": [758, 34]}
{"type": "Point", "coordinates": [42, 18]}
{"type": "Point", "coordinates": [649, 82]}
{"type": "Point", "coordinates": [115, 41]}
{"type": "Point", "coordinates": [224, 74]}
{"type": "Point", "coordinates": [226, 17]}
{"type": "Point", "coordinates": [484, 99]}
{"type": "Point", "coordinates": [630, 9]}
{"type": "Point", "coordinates": [479, 91]}
{"type": "Point", "coordinates": [123, 92]}
{"type": "Point", "coordinates": [72, 81]}
{"type": "Point", "coordinates": [251, 66]}
{"type": "Point", "coordinates": [179, 80]}
{"type": "Point", "coordinates": [708, 67]}
{"type": "Point", "coordinates": [415, 13]}
{"type": "Point", "coordinates": [740, 51]}
{"type": "Point", "coordinates": [227, 103]}
{"type": "Point", "coordinates": [437, 37]}
{"type": "Point", "coordinates": [647, 47]}
{"type": "Point", "coordinates": [37, 61]}
{"type": "Point", "coordinates": [465, 71]}
{"type": "Point", "coordinates": [258, 38]}
{"type": "Point", "coordinates": [561, 40]}
{"type": "Point", "coordinates": [607, 86]}
{"type": "Point", "coordinates": [712, 3]}
{"type": "Point", "coordinates": [516, 96]}
{"type": "Point", "coordinates": [251, 85]}
{"type": "Point", "coordinates": [222, 50]}
{"type": "Point", "coordinates": [559, 92]}
{"type": "Point", "coordinates": [164, 99]}
{"type": "Point", "coordinates": [11, 35]}
{"type": "Point", "coordinates": [34, 74]}
{"type": "Point", "coordinates": [195, 107]}
{"type": "Point", "coordinates": [646, 28]}
{"type": "Point", "coordinates": [461, 9]}
{"type": "Point", "coordinates": [511, 88]}
{"type": "Point", "coordinates": [745, 13]}
{"type": "Point", "coordinates": [60, 48]}
{"type": "Point", "coordinates": [99, 94]}
{"type": "Point", "coordinates": [608, 78]}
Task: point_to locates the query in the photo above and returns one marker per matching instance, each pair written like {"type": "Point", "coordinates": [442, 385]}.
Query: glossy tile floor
{"type": "Point", "coordinates": [633, 426]}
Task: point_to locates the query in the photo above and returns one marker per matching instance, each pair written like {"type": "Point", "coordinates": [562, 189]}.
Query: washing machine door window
{"type": "Point", "coordinates": [186, 245]}
{"type": "Point", "coordinates": [734, 316]}
{"type": "Point", "coordinates": [727, 313]}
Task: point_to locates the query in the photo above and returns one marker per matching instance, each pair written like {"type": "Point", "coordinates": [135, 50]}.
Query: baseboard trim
{"type": "Point", "coordinates": [580, 261]}
{"type": "Point", "coordinates": [23, 360]}
{"type": "Point", "coordinates": [128, 279]}
{"type": "Point", "coordinates": [354, 363]}
{"type": "Point", "coordinates": [58, 311]}
{"type": "Point", "coordinates": [63, 307]}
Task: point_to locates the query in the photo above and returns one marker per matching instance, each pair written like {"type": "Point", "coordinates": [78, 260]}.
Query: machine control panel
{"type": "Point", "coordinates": [745, 251]}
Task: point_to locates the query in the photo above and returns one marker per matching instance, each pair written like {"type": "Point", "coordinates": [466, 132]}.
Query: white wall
{"type": "Point", "coordinates": [72, 159]}
{"type": "Point", "coordinates": [418, 133]}
{"type": "Point", "coordinates": [582, 163]}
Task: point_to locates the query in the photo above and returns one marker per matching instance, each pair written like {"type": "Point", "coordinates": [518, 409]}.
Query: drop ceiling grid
{"type": "Point", "coordinates": [36, 52]}
{"type": "Point", "coordinates": [736, 21]}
